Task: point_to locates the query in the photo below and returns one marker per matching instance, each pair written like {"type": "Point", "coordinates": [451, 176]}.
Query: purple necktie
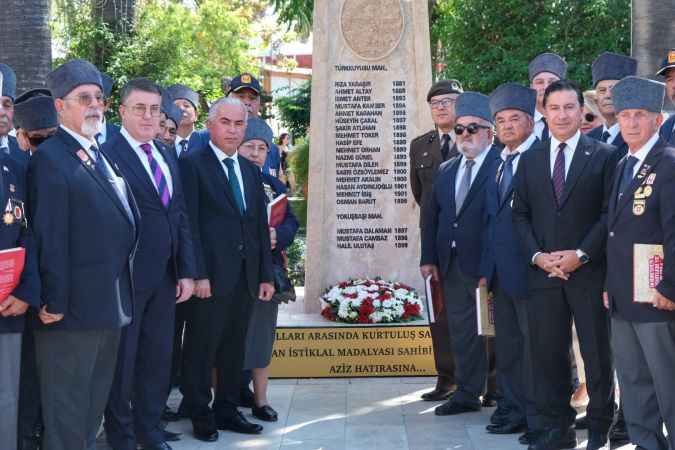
{"type": "Point", "coordinates": [559, 173]}
{"type": "Point", "coordinates": [157, 175]}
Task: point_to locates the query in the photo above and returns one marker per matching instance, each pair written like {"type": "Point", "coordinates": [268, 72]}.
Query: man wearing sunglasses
{"type": "Point", "coordinates": [667, 71]}
{"type": "Point", "coordinates": [427, 152]}
{"type": "Point", "coordinates": [452, 239]}
{"type": "Point", "coordinates": [8, 143]}
{"type": "Point", "coordinates": [559, 212]}
{"type": "Point", "coordinates": [543, 70]}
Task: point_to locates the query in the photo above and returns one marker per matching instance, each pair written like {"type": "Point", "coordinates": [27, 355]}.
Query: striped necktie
{"type": "Point", "coordinates": [157, 176]}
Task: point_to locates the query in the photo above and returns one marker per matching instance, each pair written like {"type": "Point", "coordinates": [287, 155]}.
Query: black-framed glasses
{"type": "Point", "coordinates": [472, 128]}
{"type": "Point", "coordinates": [87, 99]}
{"type": "Point", "coordinates": [442, 103]}
{"type": "Point", "coordinates": [141, 109]}
{"type": "Point", "coordinates": [589, 117]}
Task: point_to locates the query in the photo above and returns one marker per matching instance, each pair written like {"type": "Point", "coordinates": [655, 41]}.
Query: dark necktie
{"type": "Point", "coordinates": [559, 173]}
{"type": "Point", "coordinates": [157, 176]}
{"type": "Point", "coordinates": [627, 175]}
{"type": "Point", "coordinates": [183, 146]}
{"type": "Point", "coordinates": [100, 165]}
{"type": "Point", "coordinates": [605, 136]}
{"type": "Point", "coordinates": [464, 185]}
{"type": "Point", "coordinates": [234, 184]}
{"type": "Point", "coordinates": [544, 132]}
{"type": "Point", "coordinates": [507, 175]}
{"type": "Point", "coordinates": [445, 148]}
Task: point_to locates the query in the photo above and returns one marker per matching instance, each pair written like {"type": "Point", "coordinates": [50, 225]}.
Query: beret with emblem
{"type": "Point", "coordinates": [547, 62]}
{"type": "Point", "coordinates": [473, 104]}
{"type": "Point", "coordinates": [72, 74]}
{"type": "Point", "coordinates": [444, 87]}
{"type": "Point", "coordinates": [638, 93]}
{"type": "Point", "coordinates": [258, 129]}
{"type": "Point", "coordinates": [8, 82]}
{"type": "Point", "coordinates": [180, 91]}
{"type": "Point", "coordinates": [612, 66]}
{"type": "Point", "coordinates": [667, 63]}
{"type": "Point", "coordinates": [244, 81]}
{"type": "Point", "coordinates": [35, 110]}
{"type": "Point", "coordinates": [513, 96]}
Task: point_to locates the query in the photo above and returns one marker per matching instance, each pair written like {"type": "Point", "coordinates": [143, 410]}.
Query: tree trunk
{"type": "Point", "coordinates": [26, 43]}
{"type": "Point", "coordinates": [117, 14]}
{"type": "Point", "coordinates": [653, 33]}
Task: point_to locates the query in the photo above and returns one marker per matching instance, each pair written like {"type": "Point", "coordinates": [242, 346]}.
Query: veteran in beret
{"type": "Point", "coordinates": [36, 119]}
{"type": "Point", "coordinates": [8, 143]}
{"type": "Point", "coordinates": [667, 71]}
{"type": "Point", "coordinates": [188, 101]}
{"type": "Point", "coordinates": [640, 254]}
{"type": "Point", "coordinates": [543, 70]}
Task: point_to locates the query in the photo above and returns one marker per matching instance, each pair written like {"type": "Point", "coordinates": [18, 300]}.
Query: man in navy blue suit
{"type": "Point", "coordinates": [452, 239]}
{"type": "Point", "coordinates": [163, 276]}
{"type": "Point", "coordinates": [8, 144]}
{"type": "Point", "coordinates": [667, 71]}
{"type": "Point", "coordinates": [503, 264]}
{"type": "Point", "coordinates": [85, 224]}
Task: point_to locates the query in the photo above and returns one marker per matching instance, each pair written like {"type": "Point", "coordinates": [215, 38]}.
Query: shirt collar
{"type": "Point", "coordinates": [537, 115]}
{"type": "Point", "coordinates": [187, 138]}
{"type": "Point", "coordinates": [221, 155]}
{"type": "Point", "coordinates": [451, 134]}
{"type": "Point", "coordinates": [133, 142]}
{"type": "Point", "coordinates": [4, 141]}
{"type": "Point", "coordinates": [613, 130]}
{"type": "Point", "coordinates": [522, 148]}
{"type": "Point", "coordinates": [478, 160]}
{"type": "Point", "coordinates": [85, 142]}
{"type": "Point", "coordinates": [571, 142]}
{"type": "Point", "coordinates": [642, 153]}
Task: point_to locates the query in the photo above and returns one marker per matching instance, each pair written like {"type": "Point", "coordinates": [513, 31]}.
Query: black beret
{"type": "Point", "coordinates": [180, 91]}
{"type": "Point", "coordinates": [473, 104]}
{"type": "Point", "coordinates": [547, 62]}
{"type": "Point", "coordinates": [513, 96]}
{"type": "Point", "coordinates": [76, 72]}
{"type": "Point", "coordinates": [444, 87]}
{"type": "Point", "coordinates": [35, 110]}
{"type": "Point", "coordinates": [638, 93]}
{"type": "Point", "coordinates": [612, 66]}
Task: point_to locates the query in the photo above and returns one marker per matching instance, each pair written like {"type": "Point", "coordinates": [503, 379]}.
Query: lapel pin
{"type": "Point", "coordinates": [5, 168]}
{"type": "Point", "coordinates": [12, 188]}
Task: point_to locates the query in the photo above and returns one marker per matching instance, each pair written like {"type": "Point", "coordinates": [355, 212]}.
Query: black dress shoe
{"type": "Point", "coordinates": [246, 398]}
{"type": "Point", "coordinates": [529, 437]}
{"type": "Point", "coordinates": [581, 423]}
{"type": "Point", "coordinates": [500, 416]}
{"type": "Point", "coordinates": [204, 428]}
{"type": "Point", "coordinates": [239, 424]}
{"type": "Point", "coordinates": [507, 428]}
{"type": "Point", "coordinates": [618, 434]}
{"type": "Point", "coordinates": [436, 395]}
{"type": "Point", "coordinates": [555, 439]}
{"type": "Point", "coordinates": [597, 441]}
{"type": "Point", "coordinates": [170, 416]}
{"type": "Point", "coordinates": [170, 436]}
{"type": "Point", "coordinates": [266, 413]}
{"type": "Point", "coordinates": [452, 407]}
{"type": "Point", "coordinates": [160, 446]}
{"type": "Point", "coordinates": [489, 400]}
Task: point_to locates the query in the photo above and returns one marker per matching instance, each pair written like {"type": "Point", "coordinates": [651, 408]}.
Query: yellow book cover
{"type": "Point", "coordinates": [647, 271]}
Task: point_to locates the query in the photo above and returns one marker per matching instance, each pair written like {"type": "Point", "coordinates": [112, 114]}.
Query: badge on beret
{"type": "Point", "coordinates": [639, 207]}
{"type": "Point", "coordinates": [246, 78]}
{"type": "Point", "coordinates": [84, 157]}
{"type": "Point", "coordinates": [671, 57]}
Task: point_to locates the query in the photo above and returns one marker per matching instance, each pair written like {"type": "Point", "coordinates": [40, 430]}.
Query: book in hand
{"type": "Point", "coordinates": [434, 293]}
{"type": "Point", "coordinates": [276, 210]}
{"type": "Point", "coordinates": [647, 271]}
{"type": "Point", "coordinates": [11, 266]}
{"type": "Point", "coordinates": [485, 312]}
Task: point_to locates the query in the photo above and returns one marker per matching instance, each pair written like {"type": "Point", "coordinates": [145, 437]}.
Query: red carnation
{"type": "Point", "coordinates": [366, 308]}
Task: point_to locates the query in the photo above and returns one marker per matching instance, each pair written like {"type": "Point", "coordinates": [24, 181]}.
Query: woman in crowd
{"type": "Point", "coordinates": [591, 117]}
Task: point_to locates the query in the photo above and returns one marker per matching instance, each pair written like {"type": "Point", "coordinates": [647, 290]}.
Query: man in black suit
{"type": "Point", "coordinates": [163, 276]}
{"type": "Point", "coordinates": [226, 205]}
{"type": "Point", "coordinates": [560, 212]}
{"type": "Point", "coordinates": [452, 239]}
{"type": "Point", "coordinates": [8, 143]}
{"type": "Point", "coordinates": [642, 211]}
{"type": "Point", "coordinates": [85, 224]}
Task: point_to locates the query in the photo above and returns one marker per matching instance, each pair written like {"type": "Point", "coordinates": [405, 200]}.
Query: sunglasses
{"type": "Point", "coordinates": [472, 128]}
{"type": "Point", "coordinates": [589, 117]}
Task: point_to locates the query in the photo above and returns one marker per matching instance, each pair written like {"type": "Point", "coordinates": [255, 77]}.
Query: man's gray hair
{"type": "Point", "coordinates": [213, 110]}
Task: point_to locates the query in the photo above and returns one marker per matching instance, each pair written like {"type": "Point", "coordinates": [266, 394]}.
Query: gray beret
{"type": "Point", "coordinates": [8, 83]}
{"type": "Point", "coordinates": [35, 110]}
{"type": "Point", "coordinates": [257, 129]}
{"type": "Point", "coordinates": [513, 96]}
{"type": "Point", "coordinates": [444, 87]}
{"type": "Point", "coordinates": [612, 66]}
{"type": "Point", "coordinates": [473, 104]}
{"type": "Point", "coordinates": [180, 91]}
{"type": "Point", "coordinates": [68, 76]}
{"type": "Point", "coordinates": [107, 84]}
{"type": "Point", "coordinates": [638, 93]}
{"type": "Point", "coordinates": [547, 62]}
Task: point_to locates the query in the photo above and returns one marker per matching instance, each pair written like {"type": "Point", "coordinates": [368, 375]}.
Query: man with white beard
{"type": "Point", "coordinates": [452, 240]}
{"type": "Point", "coordinates": [85, 221]}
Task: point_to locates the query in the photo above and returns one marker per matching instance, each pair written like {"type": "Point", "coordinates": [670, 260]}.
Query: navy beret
{"type": "Point", "coordinates": [257, 129]}
{"type": "Point", "coordinates": [612, 66]}
{"type": "Point", "coordinates": [180, 91]}
{"type": "Point", "coordinates": [638, 93]}
{"type": "Point", "coordinates": [35, 110]}
{"type": "Point", "coordinates": [513, 96]}
{"type": "Point", "coordinates": [245, 80]}
{"type": "Point", "coordinates": [8, 83]}
{"type": "Point", "coordinates": [68, 76]}
{"type": "Point", "coordinates": [668, 62]}
{"type": "Point", "coordinates": [473, 104]}
{"type": "Point", "coordinates": [547, 62]}
{"type": "Point", "coordinates": [444, 87]}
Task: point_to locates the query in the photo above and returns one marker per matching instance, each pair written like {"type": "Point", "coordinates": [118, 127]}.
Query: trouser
{"type": "Point", "coordinates": [30, 410]}
{"type": "Point", "coordinates": [142, 376]}
{"type": "Point", "coordinates": [76, 370]}
{"type": "Point", "coordinates": [644, 354]}
{"type": "Point", "coordinates": [10, 368]}
{"type": "Point", "coordinates": [442, 345]}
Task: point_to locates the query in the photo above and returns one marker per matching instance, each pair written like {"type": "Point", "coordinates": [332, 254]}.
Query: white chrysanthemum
{"type": "Point", "coordinates": [350, 290]}
{"type": "Point", "coordinates": [377, 303]}
{"type": "Point", "coordinates": [353, 314]}
{"type": "Point", "coordinates": [388, 303]}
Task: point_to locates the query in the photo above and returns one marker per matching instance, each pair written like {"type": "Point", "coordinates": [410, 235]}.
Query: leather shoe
{"type": "Point", "coordinates": [581, 423]}
{"type": "Point", "coordinates": [170, 416]}
{"type": "Point", "coordinates": [239, 424]}
{"type": "Point", "coordinates": [452, 407]}
{"type": "Point", "coordinates": [597, 441]}
{"type": "Point", "coordinates": [489, 400]}
{"type": "Point", "coordinates": [529, 437]}
{"type": "Point", "coordinates": [555, 439]}
{"type": "Point", "coordinates": [436, 395]}
{"type": "Point", "coordinates": [500, 416]}
{"type": "Point", "coordinates": [618, 434]}
{"type": "Point", "coordinates": [507, 428]}
{"type": "Point", "coordinates": [266, 413]}
{"type": "Point", "coordinates": [170, 436]}
{"type": "Point", "coordinates": [160, 446]}
{"type": "Point", "coordinates": [246, 398]}
{"type": "Point", "coordinates": [204, 428]}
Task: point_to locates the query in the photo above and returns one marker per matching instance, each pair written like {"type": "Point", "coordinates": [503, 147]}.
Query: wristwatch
{"type": "Point", "coordinates": [583, 257]}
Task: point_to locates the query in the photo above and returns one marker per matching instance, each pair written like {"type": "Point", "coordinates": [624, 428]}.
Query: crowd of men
{"type": "Point", "coordinates": [121, 226]}
{"type": "Point", "coordinates": [515, 198]}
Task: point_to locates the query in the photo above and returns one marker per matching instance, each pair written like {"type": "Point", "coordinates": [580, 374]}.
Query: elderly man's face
{"type": "Point", "coordinates": [539, 83]}
{"type": "Point", "coordinates": [603, 92]}
{"type": "Point", "coordinates": [443, 110]}
{"type": "Point", "coordinates": [472, 145]}
{"type": "Point", "coordinates": [227, 127]}
{"type": "Point", "coordinates": [82, 110]}
{"type": "Point", "coordinates": [255, 151]}
{"type": "Point", "coordinates": [6, 115]}
{"type": "Point", "coordinates": [250, 98]}
{"type": "Point", "coordinates": [638, 126]}
{"type": "Point", "coordinates": [563, 114]}
{"type": "Point", "coordinates": [169, 135]}
{"type": "Point", "coordinates": [670, 83]}
{"type": "Point", "coordinates": [513, 127]}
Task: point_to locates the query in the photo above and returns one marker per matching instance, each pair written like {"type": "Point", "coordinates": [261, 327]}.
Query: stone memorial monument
{"type": "Point", "coordinates": [371, 72]}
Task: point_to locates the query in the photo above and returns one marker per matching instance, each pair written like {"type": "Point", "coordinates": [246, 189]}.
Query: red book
{"type": "Point", "coordinates": [434, 292]}
{"type": "Point", "coordinates": [276, 210]}
{"type": "Point", "coordinates": [11, 266]}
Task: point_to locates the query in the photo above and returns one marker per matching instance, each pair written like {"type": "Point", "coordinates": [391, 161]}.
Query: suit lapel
{"type": "Point", "coordinates": [479, 180]}
{"type": "Point", "coordinates": [249, 185]}
{"type": "Point", "coordinates": [215, 169]}
{"type": "Point", "coordinates": [130, 158]}
{"type": "Point", "coordinates": [582, 154]}
{"type": "Point", "coordinates": [173, 171]}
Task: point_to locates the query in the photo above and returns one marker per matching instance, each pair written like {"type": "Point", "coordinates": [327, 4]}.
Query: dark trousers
{"type": "Point", "coordinates": [644, 354]}
{"type": "Point", "coordinates": [76, 370]}
{"type": "Point", "coordinates": [510, 326]}
{"type": "Point", "coordinates": [138, 393]}
{"type": "Point", "coordinates": [471, 363]}
{"type": "Point", "coordinates": [550, 313]}
{"type": "Point", "coordinates": [216, 337]}
{"type": "Point", "coordinates": [10, 369]}
{"type": "Point", "coordinates": [178, 356]}
{"type": "Point", "coordinates": [30, 410]}
{"type": "Point", "coordinates": [443, 357]}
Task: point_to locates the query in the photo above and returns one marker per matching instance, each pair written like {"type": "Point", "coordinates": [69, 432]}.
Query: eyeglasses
{"type": "Point", "coordinates": [589, 117]}
{"type": "Point", "coordinates": [141, 110]}
{"type": "Point", "coordinates": [442, 103]}
{"type": "Point", "coordinates": [87, 99]}
{"type": "Point", "coordinates": [472, 128]}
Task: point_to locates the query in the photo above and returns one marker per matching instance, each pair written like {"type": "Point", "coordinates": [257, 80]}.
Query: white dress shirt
{"type": "Point", "coordinates": [641, 154]}
{"type": "Point", "coordinates": [221, 155]}
{"type": "Point", "coordinates": [179, 139]}
{"type": "Point", "coordinates": [539, 124]}
{"type": "Point", "coordinates": [4, 144]}
{"type": "Point", "coordinates": [614, 131]}
{"type": "Point", "coordinates": [474, 170]}
{"type": "Point", "coordinates": [522, 148]}
{"type": "Point", "coordinates": [569, 150]}
{"type": "Point", "coordinates": [136, 146]}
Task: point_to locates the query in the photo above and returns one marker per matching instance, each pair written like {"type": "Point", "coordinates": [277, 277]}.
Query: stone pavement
{"type": "Point", "coordinates": [358, 414]}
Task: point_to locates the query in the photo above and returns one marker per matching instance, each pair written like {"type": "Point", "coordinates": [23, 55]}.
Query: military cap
{"type": "Point", "coordinates": [612, 66]}
{"type": "Point", "coordinates": [444, 87]}
{"type": "Point", "coordinates": [35, 110]}
{"type": "Point", "coordinates": [171, 111]}
{"type": "Point", "coordinates": [547, 62]}
{"type": "Point", "coordinates": [257, 129]}
{"type": "Point", "coordinates": [668, 62]}
{"type": "Point", "coordinates": [244, 81]}
{"type": "Point", "coordinates": [638, 93]}
{"type": "Point", "coordinates": [513, 96]}
{"type": "Point", "coordinates": [8, 84]}
{"type": "Point", "coordinates": [473, 104]}
{"type": "Point", "coordinates": [107, 84]}
{"type": "Point", "coordinates": [68, 76]}
{"type": "Point", "coordinates": [180, 91]}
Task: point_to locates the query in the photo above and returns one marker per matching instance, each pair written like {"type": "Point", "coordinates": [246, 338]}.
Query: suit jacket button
{"type": "Point", "coordinates": [455, 225]}
{"type": "Point", "coordinates": [425, 153]}
{"type": "Point", "coordinates": [611, 234]}
{"type": "Point", "coordinates": [240, 247]}
{"type": "Point", "coordinates": [421, 166]}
